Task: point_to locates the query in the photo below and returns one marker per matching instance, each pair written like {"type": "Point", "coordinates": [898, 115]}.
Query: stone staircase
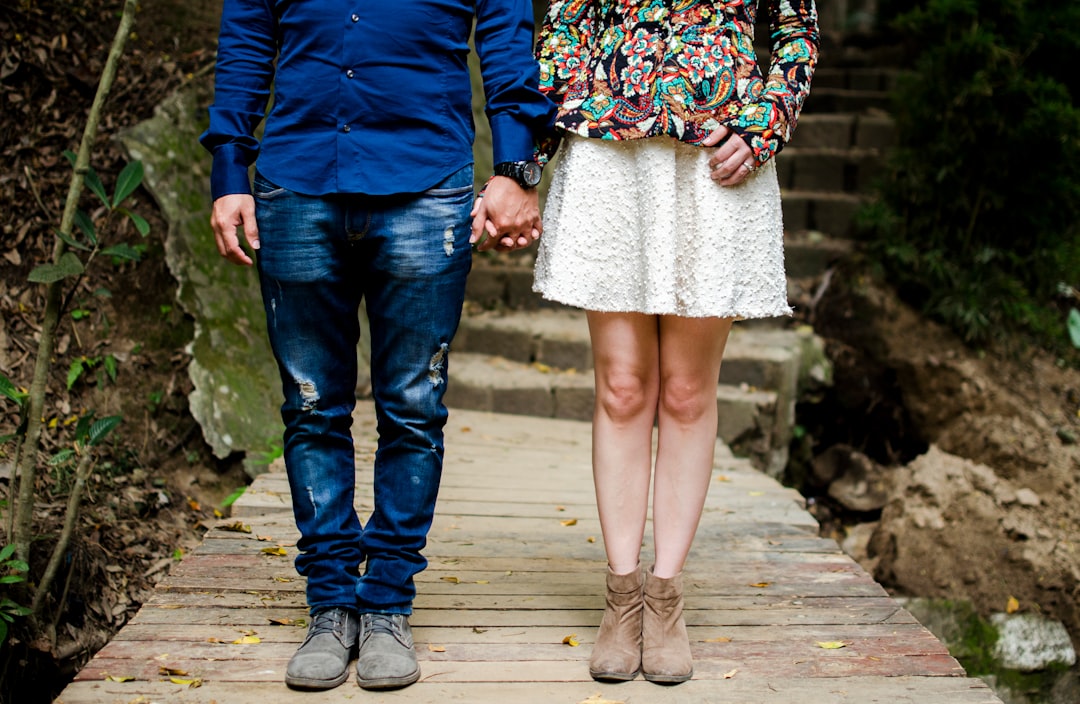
{"type": "Point", "coordinates": [516, 353]}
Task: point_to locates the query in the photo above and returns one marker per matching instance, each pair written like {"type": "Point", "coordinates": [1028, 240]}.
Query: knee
{"type": "Point", "coordinates": [624, 396]}
{"type": "Point", "coordinates": [685, 401]}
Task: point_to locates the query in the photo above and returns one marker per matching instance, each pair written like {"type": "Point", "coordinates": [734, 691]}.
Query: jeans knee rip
{"type": "Point", "coordinates": [448, 241]}
{"type": "Point", "coordinates": [435, 366]}
{"type": "Point", "coordinates": [308, 394]}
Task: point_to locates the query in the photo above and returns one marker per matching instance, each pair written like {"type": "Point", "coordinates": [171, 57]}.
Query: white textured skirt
{"type": "Point", "coordinates": [638, 226]}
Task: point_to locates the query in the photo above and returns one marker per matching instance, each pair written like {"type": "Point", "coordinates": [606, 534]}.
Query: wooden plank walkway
{"type": "Point", "coordinates": [517, 567]}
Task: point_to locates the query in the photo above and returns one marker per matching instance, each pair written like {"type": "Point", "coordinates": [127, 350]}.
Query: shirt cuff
{"type": "Point", "coordinates": [229, 173]}
{"type": "Point", "coordinates": [510, 140]}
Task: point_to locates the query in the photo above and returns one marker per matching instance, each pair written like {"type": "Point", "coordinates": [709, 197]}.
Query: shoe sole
{"type": "Point", "coordinates": [308, 684]}
{"type": "Point", "coordinates": [613, 676]}
{"type": "Point", "coordinates": [668, 679]}
{"type": "Point", "coordinates": [389, 682]}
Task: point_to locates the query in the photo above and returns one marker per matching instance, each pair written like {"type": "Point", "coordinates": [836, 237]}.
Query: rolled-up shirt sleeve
{"type": "Point", "coordinates": [519, 114]}
{"type": "Point", "coordinates": [247, 47]}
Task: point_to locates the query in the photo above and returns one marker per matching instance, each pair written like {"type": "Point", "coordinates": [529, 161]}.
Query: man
{"type": "Point", "coordinates": [363, 189]}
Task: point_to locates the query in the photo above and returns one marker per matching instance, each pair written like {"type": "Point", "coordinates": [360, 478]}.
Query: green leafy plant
{"type": "Point", "coordinates": [78, 234]}
{"type": "Point", "coordinates": [979, 215]}
{"type": "Point", "coordinates": [13, 571]}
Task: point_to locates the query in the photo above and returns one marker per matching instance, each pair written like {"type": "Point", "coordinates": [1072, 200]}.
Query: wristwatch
{"type": "Point", "coordinates": [526, 173]}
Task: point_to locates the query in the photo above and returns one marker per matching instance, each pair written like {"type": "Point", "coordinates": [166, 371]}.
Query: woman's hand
{"type": "Point", "coordinates": [733, 161]}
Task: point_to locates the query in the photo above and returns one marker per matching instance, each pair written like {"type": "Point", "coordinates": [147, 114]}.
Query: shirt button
{"type": "Point", "coordinates": [349, 73]}
{"type": "Point", "coordinates": [346, 128]}
{"type": "Point", "coordinates": [355, 17]}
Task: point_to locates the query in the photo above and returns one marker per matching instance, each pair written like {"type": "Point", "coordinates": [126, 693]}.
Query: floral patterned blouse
{"type": "Point", "coordinates": [626, 69]}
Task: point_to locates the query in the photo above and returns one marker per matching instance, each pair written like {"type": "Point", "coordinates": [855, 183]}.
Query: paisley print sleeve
{"type": "Point", "coordinates": [767, 124]}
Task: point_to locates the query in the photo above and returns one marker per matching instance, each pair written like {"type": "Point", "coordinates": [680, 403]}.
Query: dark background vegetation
{"type": "Point", "coordinates": [978, 223]}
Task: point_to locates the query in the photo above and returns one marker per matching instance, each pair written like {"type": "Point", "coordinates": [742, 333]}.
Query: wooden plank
{"type": "Point", "coordinates": [507, 582]}
{"type": "Point", "coordinates": [771, 690]}
{"type": "Point", "coordinates": [269, 666]}
{"type": "Point", "coordinates": [251, 610]}
{"type": "Point", "coordinates": [911, 635]}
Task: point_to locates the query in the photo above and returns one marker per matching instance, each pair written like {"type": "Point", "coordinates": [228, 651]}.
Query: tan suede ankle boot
{"type": "Point", "coordinates": [617, 653]}
{"type": "Point", "coordinates": [665, 653]}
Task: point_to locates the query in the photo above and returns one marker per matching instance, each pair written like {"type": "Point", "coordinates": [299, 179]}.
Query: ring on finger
{"type": "Point", "coordinates": [748, 166]}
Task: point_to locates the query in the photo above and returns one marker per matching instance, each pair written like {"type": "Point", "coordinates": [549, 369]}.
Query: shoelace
{"type": "Point", "coordinates": [381, 623]}
{"type": "Point", "coordinates": [327, 622]}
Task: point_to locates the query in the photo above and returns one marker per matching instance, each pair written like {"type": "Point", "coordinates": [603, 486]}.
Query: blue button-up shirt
{"type": "Point", "coordinates": [370, 96]}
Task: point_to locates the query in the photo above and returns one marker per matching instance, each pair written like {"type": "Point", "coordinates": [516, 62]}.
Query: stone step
{"type": "Point", "coordinates": [809, 253]}
{"type": "Point", "coordinates": [822, 100]}
{"type": "Point", "coordinates": [871, 78]}
{"type": "Point", "coordinates": [823, 211]}
{"type": "Point", "coordinates": [850, 170]}
{"type": "Point", "coordinates": [844, 130]}
{"type": "Point", "coordinates": [751, 421]}
{"type": "Point", "coordinates": [558, 340]}
{"type": "Point", "coordinates": [538, 363]}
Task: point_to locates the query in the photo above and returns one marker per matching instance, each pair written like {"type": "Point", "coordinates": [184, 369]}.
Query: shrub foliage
{"type": "Point", "coordinates": [979, 213]}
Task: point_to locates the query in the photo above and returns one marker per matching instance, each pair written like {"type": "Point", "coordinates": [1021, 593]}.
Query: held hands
{"type": "Point", "coordinates": [506, 216]}
{"type": "Point", "coordinates": [233, 214]}
{"type": "Point", "coordinates": [733, 161]}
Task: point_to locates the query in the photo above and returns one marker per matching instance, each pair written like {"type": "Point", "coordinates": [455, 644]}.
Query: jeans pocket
{"type": "Point", "coordinates": [456, 184]}
{"type": "Point", "coordinates": [264, 189]}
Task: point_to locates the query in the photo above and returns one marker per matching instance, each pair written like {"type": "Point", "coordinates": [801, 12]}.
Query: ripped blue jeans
{"type": "Point", "coordinates": [408, 257]}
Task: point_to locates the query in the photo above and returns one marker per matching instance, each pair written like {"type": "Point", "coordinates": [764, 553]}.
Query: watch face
{"type": "Point", "coordinates": [531, 173]}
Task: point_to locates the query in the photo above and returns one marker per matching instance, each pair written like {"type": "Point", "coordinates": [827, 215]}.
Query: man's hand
{"type": "Point", "coordinates": [733, 161]}
{"type": "Point", "coordinates": [233, 214]}
{"type": "Point", "coordinates": [507, 214]}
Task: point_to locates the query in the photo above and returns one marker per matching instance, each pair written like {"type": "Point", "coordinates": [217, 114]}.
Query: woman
{"type": "Point", "coordinates": [664, 244]}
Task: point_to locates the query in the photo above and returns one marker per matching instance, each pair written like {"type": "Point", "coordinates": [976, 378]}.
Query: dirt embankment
{"type": "Point", "coordinates": [983, 493]}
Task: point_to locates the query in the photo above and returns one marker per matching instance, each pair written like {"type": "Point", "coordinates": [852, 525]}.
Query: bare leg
{"type": "Point", "coordinates": [626, 361]}
{"type": "Point", "coordinates": [690, 353]}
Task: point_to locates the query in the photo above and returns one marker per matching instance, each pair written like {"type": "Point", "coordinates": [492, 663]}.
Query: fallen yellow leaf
{"type": "Point", "coordinates": [119, 678]}
{"type": "Point", "coordinates": [560, 508]}
{"type": "Point", "coordinates": [597, 699]}
{"type": "Point", "coordinates": [760, 585]}
{"type": "Point", "coordinates": [757, 493]}
{"type": "Point", "coordinates": [247, 640]}
{"type": "Point", "coordinates": [720, 639]}
{"type": "Point", "coordinates": [569, 522]}
{"type": "Point", "coordinates": [1012, 605]}
{"type": "Point", "coordinates": [276, 551]}
{"type": "Point", "coordinates": [483, 581]}
{"type": "Point", "coordinates": [730, 673]}
{"type": "Point", "coordinates": [436, 648]}
{"type": "Point", "coordinates": [832, 644]}
{"type": "Point", "coordinates": [189, 683]}
{"type": "Point", "coordinates": [237, 527]}
{"type": "Point", "coordinates": [466, 429]}
{"type": "Point", "coordinates": [283, 579]}
{"type": "Point", "coordinates": [541, 367]}
{"type": "Point", "coordinates": [281, 621]}
{"type": "Point", "coordinates": [722, 478]}
{"type": "Point", "coordinates": [452, 580]}
{"type": "Point", "coordinates": [171, 671]}
{"type": "Point", "coordinates": [590, 539]}
{"type": "Point", "coordinates": [571, 640]}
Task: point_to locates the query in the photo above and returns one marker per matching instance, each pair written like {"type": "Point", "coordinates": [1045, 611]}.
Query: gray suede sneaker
{"type": "Point", "coordinates": [387, 659]}
{"type": "Point", "coordinates": [322, 660]}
